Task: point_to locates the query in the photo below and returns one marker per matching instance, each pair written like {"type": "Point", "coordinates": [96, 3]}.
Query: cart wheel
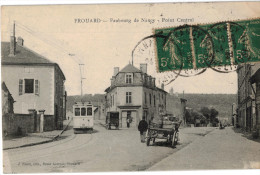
{"type": "Point", "coordinates": [148, 141]}
{"type": "Point", "coordinates": [174, 139]}
{"type": "Point", "coordinates": [153, 140]}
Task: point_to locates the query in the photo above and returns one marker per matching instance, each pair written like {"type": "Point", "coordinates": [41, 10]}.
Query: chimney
{"type": "Point", "coordinates": [162, 86]}
{"type": "Point", "coordinates": [20, 41]}
{"type": "Point", "coordinates": [143, 67]}
{"type": "Point", "coordinates": [116, 70]}
{"type": "Point", "coordinates": [112, 80]}
{"type": "Point", "coordinates": [12, 42]}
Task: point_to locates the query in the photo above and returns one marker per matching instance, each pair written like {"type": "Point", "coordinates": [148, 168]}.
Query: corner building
{"type": "Point", "coordinates": [133, 94]}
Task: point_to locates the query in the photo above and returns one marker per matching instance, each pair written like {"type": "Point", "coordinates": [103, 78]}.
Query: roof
{"type": "Point", "coordinates": [4, 87]}
{"type": "Point", "coordinates": [23, 56]}
{"type": "Point", "coordinates": [256, 77]}
{"type": "Point", "coordinates": [159, 89]}
{"type": "Point", "coordinates": [107, 89]}
{"type": "Point", "coordinates": [130, 69]}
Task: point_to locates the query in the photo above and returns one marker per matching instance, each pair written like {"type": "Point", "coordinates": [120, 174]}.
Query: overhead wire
{"type": "Point", "coordinates": [48, 41]}
{"type": "Point", "coordinates": [55, 45]}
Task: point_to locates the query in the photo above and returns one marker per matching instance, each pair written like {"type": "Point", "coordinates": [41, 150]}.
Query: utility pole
{"type": "Point", "coordinates": [81, 79]}
{"type": "Point", "coordinates": [13, 32]}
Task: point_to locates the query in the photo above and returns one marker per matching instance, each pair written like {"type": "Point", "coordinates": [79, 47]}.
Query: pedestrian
{"type": "Point", "coordinates": [142, 127]}
{"type": "Point", "coordinates": [128, 122]}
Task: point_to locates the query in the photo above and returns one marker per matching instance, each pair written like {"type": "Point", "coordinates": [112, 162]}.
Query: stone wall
{"type": "Point", "coordinates": [18, 124]}
{"type": "Point", "coordinates": [21, 124]}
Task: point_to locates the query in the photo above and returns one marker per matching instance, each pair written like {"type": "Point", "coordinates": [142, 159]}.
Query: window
{"type": "Point", "coordinates": [113, 100]}
{"type": "Point", "coordinates": [129, 78]}
{"type": "Point", "coordinates": [150, 98]}
{"type": "Point", "coordinates": [154, 100]}
{"type": "Point", "coordinates": [145, 101]}
{"type": "Point", "coordinates": [128, 97]}
{"type": "Point", "coordinates": [89, 111]}
{"type": "Point", "coordinates": [77, 112]}
{"type": "Point", "coordinates": [29, 85]}
{"type": "Point", "coordinates": [83, 111]}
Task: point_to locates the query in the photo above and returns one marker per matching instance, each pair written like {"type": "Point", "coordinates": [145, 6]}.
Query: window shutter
{"type": "Point", "coordinates": [20, 86]}
{"type": "Point", "coordinates": [37, 87]}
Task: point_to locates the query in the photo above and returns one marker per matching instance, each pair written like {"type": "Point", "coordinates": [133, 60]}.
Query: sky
{"type": "Point", "coordinates": [68, 35]}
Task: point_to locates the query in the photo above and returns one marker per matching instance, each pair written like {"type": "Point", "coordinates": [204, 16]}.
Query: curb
{"type": "Point", "coordinates": [39, 143]}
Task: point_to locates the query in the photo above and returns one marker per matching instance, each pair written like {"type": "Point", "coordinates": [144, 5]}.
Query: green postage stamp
{"type": "Point", "coordinates": [208, 46]}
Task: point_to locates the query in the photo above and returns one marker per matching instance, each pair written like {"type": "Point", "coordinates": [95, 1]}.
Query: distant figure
{"type": "Point", "coordinates": [142, 127]}
{"type": "Point", "coordinates": [221, 126]}
{"type": "Point", "coordinates": [128, 122]}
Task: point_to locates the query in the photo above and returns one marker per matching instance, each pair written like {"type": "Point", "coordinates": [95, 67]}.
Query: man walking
{"type": "Point", "coordinates": [142, 127]}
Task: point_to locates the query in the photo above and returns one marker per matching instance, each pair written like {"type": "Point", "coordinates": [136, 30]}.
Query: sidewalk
{"type": "Point", "coordinates": [219, 149]}
{"type": "Point", "coordinates": [35, 138]}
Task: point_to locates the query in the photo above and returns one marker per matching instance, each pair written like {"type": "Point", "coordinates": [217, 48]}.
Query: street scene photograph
{"type": "Point", "coordinates": [130, 87]}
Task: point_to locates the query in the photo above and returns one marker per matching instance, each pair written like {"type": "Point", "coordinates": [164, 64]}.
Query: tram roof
{"type": "Point", "coordinates": [83, 104]}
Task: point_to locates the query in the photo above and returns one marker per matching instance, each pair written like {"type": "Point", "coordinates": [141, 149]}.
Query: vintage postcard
{"type": "Point", "coordinates": [130, 87]}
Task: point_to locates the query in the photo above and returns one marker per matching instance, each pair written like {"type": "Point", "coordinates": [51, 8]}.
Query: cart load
{"type": "Point", "coordinates": [164, 128]}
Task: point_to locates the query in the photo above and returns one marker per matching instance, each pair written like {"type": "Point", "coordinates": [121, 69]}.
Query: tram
{"type": "Point", "coordinates": [83, 117]}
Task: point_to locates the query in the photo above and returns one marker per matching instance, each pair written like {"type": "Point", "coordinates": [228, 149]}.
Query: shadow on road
{"type": "Point", "coordinates": [163, 143]}
{"type": "Point", "coordinates": [86, 131]}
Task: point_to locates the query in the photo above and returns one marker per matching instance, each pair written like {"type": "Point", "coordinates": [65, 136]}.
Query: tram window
{"type": "Point", "coordinates": [83, 111]}
{"type": "Point", "coordinates": [77, 112]}
{"type": "Point", "coordinates": [89, 111]}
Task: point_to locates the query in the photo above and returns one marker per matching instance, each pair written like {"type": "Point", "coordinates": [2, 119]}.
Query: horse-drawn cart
{"type": "Point", "coordinates": [170, 132]}
{"type": "Point", "coordinates": [112, 119]}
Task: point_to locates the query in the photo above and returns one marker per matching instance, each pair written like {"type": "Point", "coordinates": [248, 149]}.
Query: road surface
{"type": "Point", "coordinates": [121, 150]}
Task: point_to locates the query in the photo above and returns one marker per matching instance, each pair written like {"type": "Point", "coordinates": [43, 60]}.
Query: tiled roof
{"type": "Point", "coordinates": [23, 56]}
{"type": "Point", "coordinates": [130, 68]}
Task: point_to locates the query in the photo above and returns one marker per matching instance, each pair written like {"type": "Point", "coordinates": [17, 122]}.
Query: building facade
{"type": "Point", "coordinates": [247, 116]}
{"type": "Point", "coordinates": [34, 82]}
{"type": "Point", "coordinates": [133, 94]}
